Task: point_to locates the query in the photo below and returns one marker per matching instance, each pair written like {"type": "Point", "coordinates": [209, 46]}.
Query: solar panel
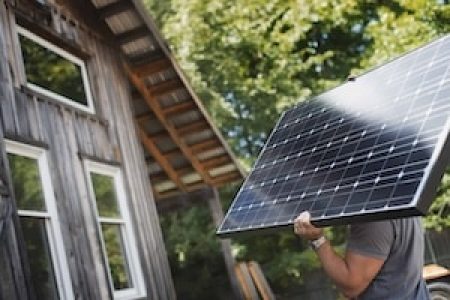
{"type": "Point", "coordinates": [372, 148]}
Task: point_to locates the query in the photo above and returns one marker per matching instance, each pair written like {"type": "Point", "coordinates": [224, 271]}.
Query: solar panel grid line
{"type": "Point", "coordinates": [349, 200]}
{"type": "Point", "coordinates": [345, 161]}
{"type": "Point", "coordinates": [372, 154]}
{"type": "Point", "coordinates": [418, 115]}
{"type": "Point", "coordinates": [259, 156]}
{"type": "Point", "coordinates": [342, 187]}
{"type": "Point", "coordinates": [444, 139]}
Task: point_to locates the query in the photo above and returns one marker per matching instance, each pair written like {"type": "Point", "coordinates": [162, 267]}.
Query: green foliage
{"type": "Point", "coordinates": [439, 216]}
{"type": "Point", "coordinates": [194, 255]}
{"type": "Point", "coordinates": [26, 181]}
{"type": "Point", "coordinates": [114, 247]}
{"type": "Point", "coordinates": [249, 60]}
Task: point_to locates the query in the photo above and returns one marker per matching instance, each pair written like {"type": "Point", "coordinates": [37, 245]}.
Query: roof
{"type": "Point", "coordinates": [184, 150]}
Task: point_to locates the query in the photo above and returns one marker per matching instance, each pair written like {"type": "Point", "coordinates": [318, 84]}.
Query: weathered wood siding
{"type": "Point", "coordinates": [70, 136]}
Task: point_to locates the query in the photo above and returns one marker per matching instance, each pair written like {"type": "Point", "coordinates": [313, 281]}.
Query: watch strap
{"type": "Point", "coordinates": [315, 244]}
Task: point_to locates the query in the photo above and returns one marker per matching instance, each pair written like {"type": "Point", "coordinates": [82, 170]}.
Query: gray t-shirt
{"type": "Point", "coordinates": [400, 244]}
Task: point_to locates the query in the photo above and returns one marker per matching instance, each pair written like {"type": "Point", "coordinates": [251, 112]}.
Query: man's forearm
{"type": "Point", "coordinates": [337, 269]}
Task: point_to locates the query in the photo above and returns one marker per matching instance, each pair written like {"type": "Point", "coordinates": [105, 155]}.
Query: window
{"type": "Point", "coordinates": [39, 221]}
{"type": "Point", "coordinates": [118, 243]}
{"type": "Point", "coordinates": [54, 72]}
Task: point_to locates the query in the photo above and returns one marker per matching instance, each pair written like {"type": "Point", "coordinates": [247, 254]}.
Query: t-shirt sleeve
{"type": "Point", "coordinates": [372, 239]}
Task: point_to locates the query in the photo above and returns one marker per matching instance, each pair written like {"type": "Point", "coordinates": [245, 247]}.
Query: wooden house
{"type": "Point", "coordinates": [98, 124]}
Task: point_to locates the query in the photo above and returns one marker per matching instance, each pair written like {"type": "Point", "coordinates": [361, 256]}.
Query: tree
{"type": "Point", "coordinates": [250, 60]}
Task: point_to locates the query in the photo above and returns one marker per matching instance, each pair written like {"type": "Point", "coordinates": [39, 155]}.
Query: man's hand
{"type": "Point", "coordinates": [304, 228]}
{"type": "Point", "coordinates": [353, 273]}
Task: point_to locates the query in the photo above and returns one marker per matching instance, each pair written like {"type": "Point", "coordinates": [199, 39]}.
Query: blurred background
{"type": "Point", "coordinates": [248, 61]}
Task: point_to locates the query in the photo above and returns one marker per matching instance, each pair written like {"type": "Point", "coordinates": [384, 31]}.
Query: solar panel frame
{"type": "Point", "coordinates": [425, 190]}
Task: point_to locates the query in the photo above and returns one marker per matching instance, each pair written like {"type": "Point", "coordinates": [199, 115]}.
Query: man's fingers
{"type": "Point", "coordinates": [304, 217]}
{"type": "Point", "coordinates": [302, 223]}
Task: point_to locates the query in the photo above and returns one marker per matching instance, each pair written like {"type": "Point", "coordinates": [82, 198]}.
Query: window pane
{"type": "Point", "coordinates": [38, 251]}
{"type": "Point", "coordinates": [51, 71]}
{"type": "Point", "coordinates": [27, 183]}
{"type": "Point", "coordinates": [116, 256]}
{"type": "Point", "coordinates": [105, 195]}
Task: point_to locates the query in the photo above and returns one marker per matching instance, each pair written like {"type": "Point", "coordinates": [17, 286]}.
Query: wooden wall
{"type": "Point", "coordinates": [70, 136]}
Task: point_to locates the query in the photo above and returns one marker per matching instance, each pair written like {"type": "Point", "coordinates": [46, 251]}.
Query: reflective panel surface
{"type": "Point", "coordinates": [39, 258]}
{"type": "Point", "coordinates": [27, 183]}
{"type": "Point", "coordinates": [372, 148]}
{"type": "Point", "coordinates": [116, 256]}
{"type": "Point", "coordinates": [105, 195]}
{"type": "Point", "coordinates": [51, 71]}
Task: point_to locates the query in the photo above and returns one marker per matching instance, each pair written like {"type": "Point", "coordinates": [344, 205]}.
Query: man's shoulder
{"type": "Point", "coordinates": [373, 225]}
{"type": "Point", "coordinates": [411, 221]}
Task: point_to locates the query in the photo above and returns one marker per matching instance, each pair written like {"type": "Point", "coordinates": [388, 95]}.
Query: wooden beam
{"type": "Point", "coordinates": [260, 281]}
{"type": "Point", "coordinates": [245, 282]}
{"type": "Point", "coordinates": [226, 178]}
{"type": "Point", "coordinates": [146, 57]}
{"type": "Point", "coordinates": [179, 171]}
{"type": "Point", "coordinates": [162, 161]}
{"type": "Point", "coordinates": [165, 87]}
{"type": "Point", "coordinates": [216, 161]}
{"type": "Point", "coordinates": [143, 117]}
{"type": "Point", "coordinates": [159, 177]}
{"type": "Point", "coordinates": [180, 107]}
{"type": "Point", "coordinates": [152, 67]}
{"type": "Point", "coordinates": [192, 127]}
{"type": "Point", "coordinates": [205, 145]}
{"type": "Point", "coordinates": [132, 35]}
{"type": "Point", "coordinates": [195, 185]}
{"type": "Point", "coordinates": [158, 135]}
{"type": "Point", "coordinates": [114, 8]}
{"type": "Point", "coordinates": [172, 152]}
{"type": "Point", "coordinates": [190, 188]}
{"type": "Point", "coordinates": [185, 170]}
{"type": "Point", "coordinates": [165, 49]}
{"type": "Point", "coordinates": [215, 207]}
{"type": "Point", "coordinates": [154, 105]}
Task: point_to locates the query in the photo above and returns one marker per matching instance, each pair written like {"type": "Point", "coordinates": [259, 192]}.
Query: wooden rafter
{"type": "Point", "coordinates": [172, 152]}
{"type": "Point", "coordinates": [165, 87]}
{"type": "Point", "coordinates": [216, 161]}
{"type": "Point", "coordinates": [152, 67]}
{"type": "Point", "coordinates": [154, 105]}
{"type": "Point", "coordinates": [172, 192]}
{"type": "Point", "coordinates": [145, 57]}
{"type": "Point", "coordinates": [115, 8]}
{"type": "Point", "coordinates": [192, 127]}
{"type": "Point", "coordinates": [185, 170]}
{"type": "Point", "coordinates": [179, 108]}
{"type": "Point", "coordinates": [162, 161]}
{"type": "Point", "coordinates": [132, 35]}
{"type": "Point", "coordinates": [180, 171]}
{"type": "Point", "coordinates": [226, 178]}
{"type": "Point", "coordinates": [205, 145]}
{"type": "Point", "coordinates": [195, 185]}
{"type": "Point", "coordinates": [158, 135]}
{"type": "Point", "coordinates": [144, 117]}
{"type": "Point", "coordinates": [159, 177]}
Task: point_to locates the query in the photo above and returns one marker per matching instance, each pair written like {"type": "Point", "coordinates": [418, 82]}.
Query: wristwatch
{"type": "Point", "coordinates": [315, 244]}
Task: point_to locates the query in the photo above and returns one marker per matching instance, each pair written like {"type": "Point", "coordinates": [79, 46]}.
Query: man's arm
{"type": "Point", "coordinates": [353, 273]}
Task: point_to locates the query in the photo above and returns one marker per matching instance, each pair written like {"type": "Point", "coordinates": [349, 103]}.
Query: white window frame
{"type": "Point", "coordinates": [131, 254]}
{"type": "Point", "coordinates": [52, 224]}
{"type": "Point", "coordinates": [84, 75]}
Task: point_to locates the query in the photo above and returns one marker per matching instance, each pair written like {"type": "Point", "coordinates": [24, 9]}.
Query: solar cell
{"type": "Point", "coordinates": [372, 148]}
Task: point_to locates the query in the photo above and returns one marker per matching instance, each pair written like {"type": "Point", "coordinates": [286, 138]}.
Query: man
{"type": "Point", "coordinates": [383, 259]}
